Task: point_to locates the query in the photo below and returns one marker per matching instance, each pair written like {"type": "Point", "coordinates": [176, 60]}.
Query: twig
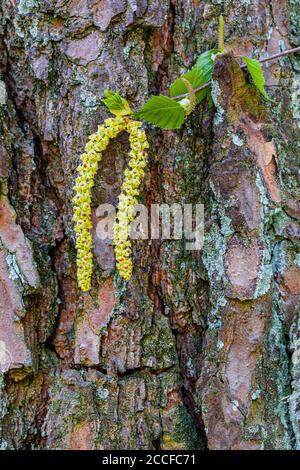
{"type": "Point", "coordinates": [266, 59]}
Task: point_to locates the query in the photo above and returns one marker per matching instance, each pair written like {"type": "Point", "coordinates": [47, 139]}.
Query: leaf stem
{"type": "Point", "coordinates": [266, 59]}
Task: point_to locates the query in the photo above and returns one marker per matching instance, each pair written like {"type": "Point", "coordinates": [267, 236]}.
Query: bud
{"type": "Point", "coordinates": [186, 104]}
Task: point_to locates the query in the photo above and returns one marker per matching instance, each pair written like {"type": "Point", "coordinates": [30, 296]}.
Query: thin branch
{"type": "Point", "coordinates": [281, 54]}
{"type": "Point", "coordinates": [266, 59]}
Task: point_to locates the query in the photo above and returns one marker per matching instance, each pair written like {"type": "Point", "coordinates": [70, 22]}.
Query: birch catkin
{"type": "Point", "coordinates": [130, 190]}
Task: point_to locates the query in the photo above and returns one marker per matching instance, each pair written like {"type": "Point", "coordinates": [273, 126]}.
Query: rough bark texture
{"type": "Point", "coordinates": [200, 350]}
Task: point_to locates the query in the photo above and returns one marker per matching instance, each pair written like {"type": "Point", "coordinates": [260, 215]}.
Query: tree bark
{"type": "Point", "coordinates": [200, 349]}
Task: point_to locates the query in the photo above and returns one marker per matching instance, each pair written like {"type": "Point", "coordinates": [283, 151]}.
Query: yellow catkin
{"type": "Point", "coordinates": [130, 189]}
{"type": "Point", "coordinates": [128, 197]}
{"type": "Point", "coordinates": [82, 200]}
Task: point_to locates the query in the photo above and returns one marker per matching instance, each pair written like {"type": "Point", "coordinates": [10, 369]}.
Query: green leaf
{"type": "Point", "coordinates": [163, 112]}
{"type": "Point", "coordinates": [205, 65]}
{"type": "Point", "coordinates": [210, 102]}
{"type": "Point", "coordinates": [257, 74]}
{"type": "Point", "coordinates": [116, 104]}
{"type": "Point", "coordinates": [195, 78]}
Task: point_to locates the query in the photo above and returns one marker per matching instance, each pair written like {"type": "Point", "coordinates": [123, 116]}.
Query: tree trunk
{"type": "Point", "coordinates": [201, 349]}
